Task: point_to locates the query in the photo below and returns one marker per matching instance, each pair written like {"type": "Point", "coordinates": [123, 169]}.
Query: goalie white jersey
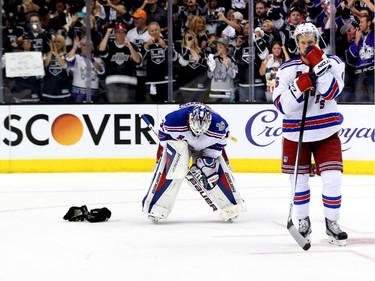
{"type": "Point", "coordinates": [193, 131]}
{"type": "Point", "coordinates": [210, 144]}
{"type": "Point", "coordinates": [322, 117]}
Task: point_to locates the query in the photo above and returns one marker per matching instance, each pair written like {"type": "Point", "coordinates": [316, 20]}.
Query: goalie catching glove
{"type": "Point", "coordinates": [82, 213]}
{"type": "Point", "coordinates": [301, 84]}
{"type": "Point", "coordinates": [318, 60]}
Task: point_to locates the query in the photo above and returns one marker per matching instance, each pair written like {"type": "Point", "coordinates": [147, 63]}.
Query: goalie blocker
{"type": "Point", "coordinates": [212, 179]}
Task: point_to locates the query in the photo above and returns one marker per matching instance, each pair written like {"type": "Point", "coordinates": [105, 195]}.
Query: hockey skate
{"type": "Point", "coordinates": [305, 228]}
{"type": "Point", "coordinates": [335, 235]}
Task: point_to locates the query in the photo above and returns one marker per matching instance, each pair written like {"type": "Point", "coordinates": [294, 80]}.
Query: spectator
{"type": "Point", "coordinates": [115, 11]}
{"type": "Point", "coordinates": [120, 56]}
{"type": "Point", "coordinates": [275, 13]}
{"type": "Point", "coordinates": [58, 18]}
{"type": "Point", "coordinates": [84, 73]}
{"type": "Point", "coordinates": [233, 28]}
{"type": "Point", "coordinates": [211, 46]}
{"type": "Point", "coordinates": [287, 31]}
{"type": "Point", "coordinates": [261, 10]}
{"type": "Point", "coordinates": [242, 56]}
{"type": "Point", "coordinates": [187, 12]}
{"type": "Point", "coordinates": [213, 9]}
{"type": "Point", "coordinates": [222, 70]}
{"type": "Point", "coordinates": [362, 49]}
{"type": "Point", "coordinates": [57, 84]}
{"type": "Point", "coordinates": [12, 34]}
{"type": "Point", "coordinates": [26, 89]}
{"type": "Point", "coordinates": [155, 14]}
{"type": "Point", "coordinates": [199, 27]}
{"type": "Point", "coordinates": [270, 32]}
{"type": "Point", "coordinates": [24, 10]}
{"type": "Point", "coordinates": [155, 53]}
{"type": "Point", "coordinates": [77, 23]}
{"type": "Point", "coordinates": [193, 78]}
{"type": "Point", "coordinates": [271, 64]}
{"type": "Point", "coordinates": [139, 36]}
{"type": "Point", "coordinates": [78, 28]}
{"type": "Point", "coordinates": [39, 38]}
{"type": "Point", "coordinates": [345, 38]}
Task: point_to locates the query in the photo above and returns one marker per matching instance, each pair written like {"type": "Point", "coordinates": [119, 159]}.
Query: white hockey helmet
{"type": "Point", "coordinates": [304, 29]}
{"type": "Point", "coordinates": [200, 120]}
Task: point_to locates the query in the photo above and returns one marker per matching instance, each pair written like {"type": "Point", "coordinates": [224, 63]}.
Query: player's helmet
{"type": "Point", "coordinates": [200, 120]}
{"type": "Point", "coordinates": [304, 29]}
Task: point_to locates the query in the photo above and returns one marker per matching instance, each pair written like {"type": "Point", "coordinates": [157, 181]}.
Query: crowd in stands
{"type": "Point", "coordinates": [117, 51]}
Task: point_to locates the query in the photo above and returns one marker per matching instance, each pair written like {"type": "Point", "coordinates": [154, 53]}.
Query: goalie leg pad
{"type": "Point", "coordinates": [177, 161]}
{"type": "Point", "coordinates": [161, 196]}
{"type": "Point", "coordinates": [197, 181]}
{"type": "Point", "coordinates": [223, 193]}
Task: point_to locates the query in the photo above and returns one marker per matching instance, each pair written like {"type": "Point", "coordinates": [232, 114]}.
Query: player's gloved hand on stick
{"type": "Point", "coordinates": [318, 60]}
{"type": "Point", "coordinates": [209, 167]}
{"type": "Point", "coordinates": [303, 83]}
{"type": "Point", "coordinates": [198, 174]}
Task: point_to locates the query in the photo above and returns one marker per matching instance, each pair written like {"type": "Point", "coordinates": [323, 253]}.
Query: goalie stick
{"type": "Point", "coordinates": [190, 177]}
{"type": "Point", "coordinates": [290, 225]}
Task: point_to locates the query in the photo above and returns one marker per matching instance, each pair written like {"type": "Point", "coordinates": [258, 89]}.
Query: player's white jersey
{"type": "Point", "coordinates": [322, 117]}
{"type": "Point", "coordinates": [175, 126]}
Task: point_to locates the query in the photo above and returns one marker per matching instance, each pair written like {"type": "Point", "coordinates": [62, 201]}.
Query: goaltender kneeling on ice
{"type": "Point", "coordinates": [193, 130]}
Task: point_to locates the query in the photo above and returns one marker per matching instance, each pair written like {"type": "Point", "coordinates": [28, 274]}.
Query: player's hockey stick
{"type": "Point", "coordinates": [190, 177]}
{"type": "Point", "coordinates": [292, 229]}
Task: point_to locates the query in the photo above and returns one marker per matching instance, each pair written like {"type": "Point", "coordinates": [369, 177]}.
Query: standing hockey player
{"type": "Point", "coordinates": [194, 130]}
{"type": "Point", "coordinates": [323, 74]}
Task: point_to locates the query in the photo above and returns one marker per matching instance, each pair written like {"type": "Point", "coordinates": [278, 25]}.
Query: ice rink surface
{"type": "Point", "coordinates": [192, 245]}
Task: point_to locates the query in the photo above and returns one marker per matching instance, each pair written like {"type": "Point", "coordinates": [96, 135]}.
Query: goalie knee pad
{"type": "Point", "coordinates": [168, 177]}
{"type": "Point", "coordinates": [177, 159]}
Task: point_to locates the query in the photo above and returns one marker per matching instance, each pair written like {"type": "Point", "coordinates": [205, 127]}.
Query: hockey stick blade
{"type": "Point", "coordinates": [297, 236]}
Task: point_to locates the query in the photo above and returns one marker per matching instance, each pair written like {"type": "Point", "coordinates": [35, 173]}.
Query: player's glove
{"type": "Point", "coordinates": [209, 167]}
{"type": "Point", "coordinates": [211, 62]}
{"type": "Point", "coordinates": [318, 60]}
{"type": "Point", "coordinates": [99, 215]}
{"type": "Point", "coordinates": [198, 175]}
{"type": "Point", "coordinates": [304, 82]}
{"type": "Point", "coordinates": [76, 213]}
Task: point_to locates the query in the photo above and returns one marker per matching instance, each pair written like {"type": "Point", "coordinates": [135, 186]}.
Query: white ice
{"type": "Point", "coordinates": [192, 245]}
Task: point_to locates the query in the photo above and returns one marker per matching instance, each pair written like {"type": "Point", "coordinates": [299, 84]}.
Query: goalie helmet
{"type": "Point", "coordinates": [200, 120]}
{"type": "Point", "coordinates": [305, 29]}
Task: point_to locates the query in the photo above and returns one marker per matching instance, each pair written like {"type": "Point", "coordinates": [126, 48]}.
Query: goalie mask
{"type": "Point", "coordinates": [306, 29]}
{"type": "Point", "coordinates": [200, 120]}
